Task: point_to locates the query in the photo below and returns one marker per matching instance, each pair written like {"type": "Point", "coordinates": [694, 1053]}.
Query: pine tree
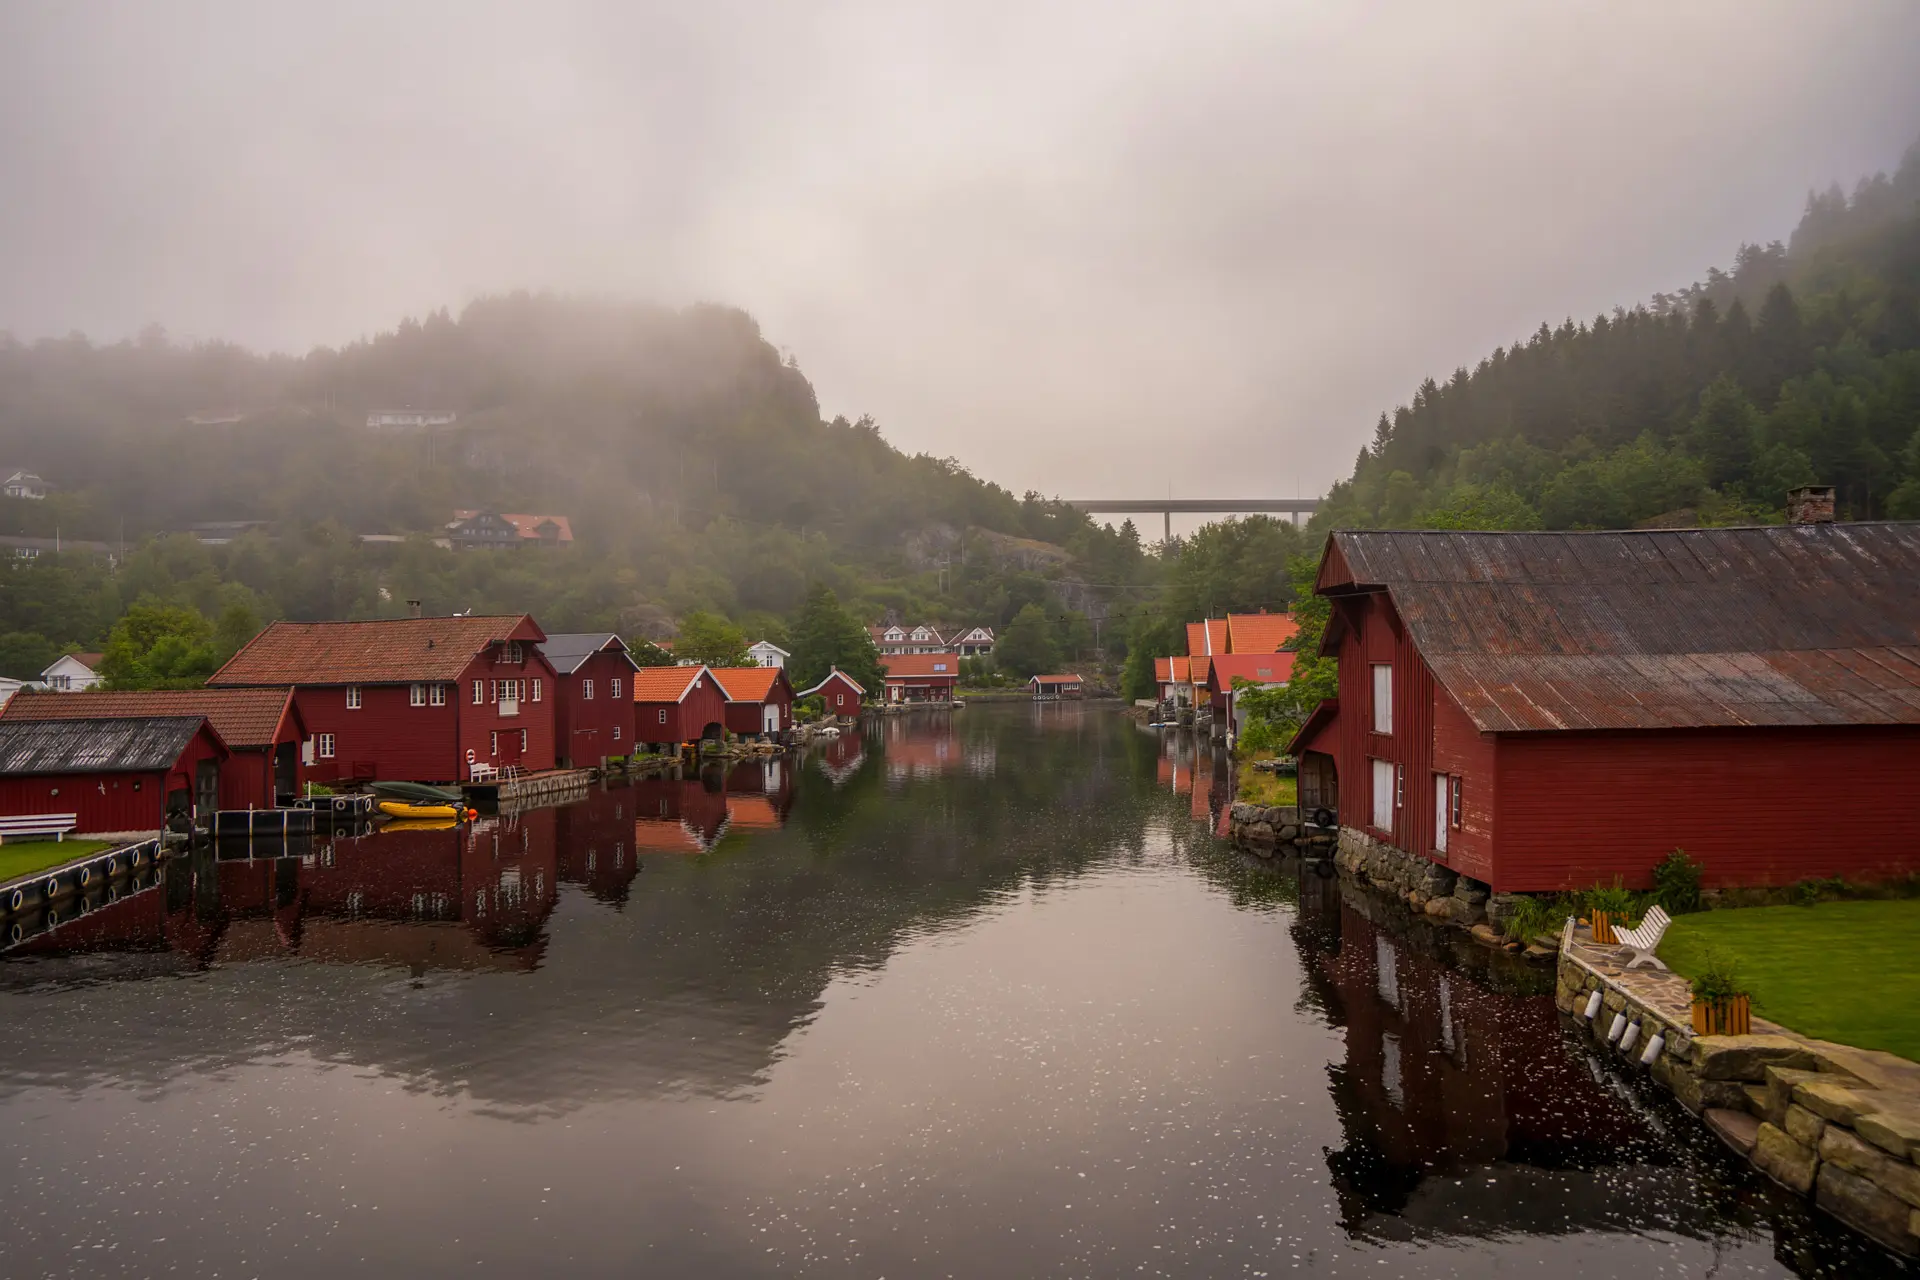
{"type": "Point", "coordinates": [827, 636]}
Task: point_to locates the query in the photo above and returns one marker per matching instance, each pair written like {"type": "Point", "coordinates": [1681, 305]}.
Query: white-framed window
{"type": "Point", "coordinates": [437, 695]}
{"type": "Point", "coordinates": [839, 699]}
{"type": "Point", "coordinates": [479, 692]}
{"type": "Point", "coordinates": [1442, 803]}
{"type": "Point", "coordinates": [513, 654]}
{"type": "Point", "coordinates": [616, 733]}
{"type": "Point", "coordinates": [523, 742]}
{"type": "Point", "coordinates": [663, 715]}
{"type": "Point", "coordinates": [586, 690]}
{"type": "Point", "coordinates": [1382, 697]}
{"type": "Point", "coordinates": [535, 687]}
{"type": "Point", "coordinates": [353, 697]}
{"type": "Point", "coordinates": [323, 745]}
{"type": "Point", "coordinates": [613, 688]}
{"type": "Point", "coordinates": [493, 742]}
{"type": "Point", "coordinates": [416, 695]}
{"type": "Point", "coordinates": [1457, 788]}
{"type": "Point", "coordinates": [1384, 780]}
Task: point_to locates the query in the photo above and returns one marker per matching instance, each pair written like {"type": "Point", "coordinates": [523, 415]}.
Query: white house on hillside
{"type": "Point", "coordinates": [24, 484]}
{"type": "Point", "coordinates": [73, 672]}
{"type": "Point", "coordinates": [766, 653]}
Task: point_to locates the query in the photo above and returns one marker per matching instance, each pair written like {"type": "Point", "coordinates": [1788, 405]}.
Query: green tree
{"type": "Point", "coordinates": [157, 646]}
{"type": "Point", "coordinates": [827, 636]}
{"type": "Point", "coordinates": [1472, 506]}
{"type": "Point", "coordinates": [1722, 434]}
{"type": "Point", "coordinates": [1026, 648]}
{"type": "Point", "coordinates": [710, 638]}
{"type": "Point", "coordinates": [25, 654]}
{"type": "Point", "coordinates": [648, 654]}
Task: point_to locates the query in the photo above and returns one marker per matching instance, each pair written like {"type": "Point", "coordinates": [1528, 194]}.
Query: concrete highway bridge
{"type": "Point", "coordinates": [1298, 508]}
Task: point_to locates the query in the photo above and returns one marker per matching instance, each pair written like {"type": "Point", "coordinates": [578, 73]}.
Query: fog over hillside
{"type": "Point", "coordinates": [1069, 244]}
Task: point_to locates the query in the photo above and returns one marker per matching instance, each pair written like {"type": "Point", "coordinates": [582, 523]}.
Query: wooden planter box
{"type": "Point", "coordinates": [1730, 1017]}
{"type": "Point", "coordinates": [1603, 929]}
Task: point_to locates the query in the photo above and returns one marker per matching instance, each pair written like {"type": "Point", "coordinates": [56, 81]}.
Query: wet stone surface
{"type": "Point", "coordinates": [978, 993]}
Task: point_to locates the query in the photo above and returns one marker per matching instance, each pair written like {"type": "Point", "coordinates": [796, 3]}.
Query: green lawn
{"type": "Point", "coordinates": [1843, 971]}
{"type": "Point", "coordinates": [29, 856]}
{"type": "Point", "coordinates": [1255, 787]}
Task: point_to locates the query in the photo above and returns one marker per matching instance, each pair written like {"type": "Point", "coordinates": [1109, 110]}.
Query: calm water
{"type": "Point", "coordinates": [978, 995]}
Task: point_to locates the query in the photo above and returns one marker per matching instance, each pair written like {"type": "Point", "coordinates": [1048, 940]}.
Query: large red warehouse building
{"type": "Point", "coordinates": [415, 699]}
{"type": "Point", "coordinates": [261, 727]}
{"type": "Point", "coordinates": [1546, 711]}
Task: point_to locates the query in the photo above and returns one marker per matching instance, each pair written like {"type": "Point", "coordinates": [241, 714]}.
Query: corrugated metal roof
{"type": "Point", "coordinates": [1640, 629]}
{"type": "Point", "coordinates": [114, 745]}
{"type": "Point", "coordinates": [569, 649]}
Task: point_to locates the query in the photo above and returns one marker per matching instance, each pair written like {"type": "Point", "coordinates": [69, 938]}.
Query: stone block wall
{"type": "Point", "coordinates": [1797, 1109]}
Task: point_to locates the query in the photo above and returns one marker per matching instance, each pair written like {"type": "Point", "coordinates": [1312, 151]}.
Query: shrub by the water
{"type": "Point", "coordinates": [1676, 883]}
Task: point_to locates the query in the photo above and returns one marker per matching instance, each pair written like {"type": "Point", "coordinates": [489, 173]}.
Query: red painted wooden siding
{"type": "Point", "coordinates": [111, 801]}
{"type": "Point", "coordinates": [839, 687]}
{"type": "Point", "coordinates": [1463, 752]}
{"type": "Point", "coordinates": [686, 719]}
{"type": "Point", "coordinates": [1376, 636]}
{"type": "Point", "coordinates": [745, 717]}
{"type": "Point", "coordinates": [588, 730]}
{"type": "Point", "coordinates": [1755, 806]}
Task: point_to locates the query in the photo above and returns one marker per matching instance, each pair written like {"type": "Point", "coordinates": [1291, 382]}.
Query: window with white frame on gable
{"type": "Point", "coordinates": [663, 715]}
{"type": "Point", "coordinates": [534, 689]}
{"type": "Point", "coordinates": [512, 654]}
{"type": "Point", "coordinates": [353, 697]}
{"type": "Point", "coordinates": [479, 692]}
{"type": "Point", "coordinates": [613, 688]}
{"type": "Point", "coordinates": [586, 689]}
{"type": "Point", "coordinates": [1382, 697]}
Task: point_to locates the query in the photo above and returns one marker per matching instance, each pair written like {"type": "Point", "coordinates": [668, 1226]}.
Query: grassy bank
{"type": "Point", "coordinates": [1256, 787]}
{"type": "Point", "coordinates": [29, 856]}
{"type": "Point", "coordinates": [1844, 971]}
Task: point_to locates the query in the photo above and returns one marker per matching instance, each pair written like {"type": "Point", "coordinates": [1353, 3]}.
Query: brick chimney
{"type": "Point", "coordinates": [413, 606]}
{"type": "Point", "coordinates": [1810, 504]}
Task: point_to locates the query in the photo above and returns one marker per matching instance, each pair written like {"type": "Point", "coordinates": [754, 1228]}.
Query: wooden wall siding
{"type": "Point", "coordinates": [747, 717]}
{"type": "Point", "coordinates": [1755, 806]}
{"type": "Point", "coordinates": [477, 724]}
{"type": "Point", "coordinates": [1376, 636]}
{"type": "Point", "coordinates": [387, 734]}
{"type": "Point", "coordinates": [687, 719]}
{"type": "Point", "coordinates": [583, 730]}
{"type": "Point", "coordinates": [110, 801]}
{"type": "Point", "coordinates": [1462, 751]}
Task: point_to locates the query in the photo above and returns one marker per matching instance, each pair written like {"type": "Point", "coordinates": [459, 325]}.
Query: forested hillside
{"type": "Point", "coordinates": [691, 459]}
{"type": "Point", "coordinates": [1801, 364]}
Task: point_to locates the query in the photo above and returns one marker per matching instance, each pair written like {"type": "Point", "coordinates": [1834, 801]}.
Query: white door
{"type": "Point", "coordinates": [1383, 795]}
{"type": "Point", "coordinates": [769, 718]}
{"type": "Point", "coordinates": [1440, 812]}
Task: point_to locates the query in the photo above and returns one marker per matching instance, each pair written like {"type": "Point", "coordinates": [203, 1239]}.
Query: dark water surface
{"type": "Point", "coordinates": [970, 995]}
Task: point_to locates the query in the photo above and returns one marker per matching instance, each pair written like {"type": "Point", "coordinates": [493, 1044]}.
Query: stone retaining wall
{"type": "Point", "coordinates": [1838, 1125]}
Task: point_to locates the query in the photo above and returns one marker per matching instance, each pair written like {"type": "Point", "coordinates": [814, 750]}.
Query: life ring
{"type": "Point", "coordinates": [16, 933]}
{"type": "Point", "coordinates": [51, 889]}
{"type": "Point", "coordinates": [86, 876]}
{"type": "Point", "coordinates": [53, 918]}
{"type": "Point", "coordinates": [113, 866]}
{"type": "Point", "coordinates": [1323, 817]}
{"type": "Point", "coordinates": [17, 899]}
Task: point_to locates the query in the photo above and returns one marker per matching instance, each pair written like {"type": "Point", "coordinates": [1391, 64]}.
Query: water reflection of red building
{"type": "Point", "coordinates": [594, 838]}
{"type": "Point", "coordinates": [841, 758]}
{"type": "Point", "coordinates": [1442, 1074]}
{"type": "Point", "coordinates": [690, 815]}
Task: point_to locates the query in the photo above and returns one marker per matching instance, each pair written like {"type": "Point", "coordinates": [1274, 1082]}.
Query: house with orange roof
{"type": "Point", "coordinates": [921, 677]}
{"type": "Point", "coordinates": [409, 699]}
{"type": "Point", "coordinates": [1224, 672]}
{"type": "Point", "coordinates": [471, 529]}
{"type": "Point", "coordinates": [1261, 632]}
{"type": "Point", "coordinates": [677, 705]}
{"type": "Point", "coordinates": [759, 699]}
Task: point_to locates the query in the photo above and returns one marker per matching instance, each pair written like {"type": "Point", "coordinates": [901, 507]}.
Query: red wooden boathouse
{"type": "Point", "coordinates": [261, 727]}
{"type": "Point", "coordinates": [675, 705]}
{"type": "Point", "coordinates": [119, 775]}
{"type": "Point", "coordinates": [839, 693]}
{"type": "Point", "coordinates": [759, 699]}
{"type": "Point", "coordinates": [414, 699]}
{"type": "Point", "coordinates": [1546, 711]}
{"type": "Point", "coordinates": [920, 677]}
{"type": "Point", "coordinates": [593, 697]}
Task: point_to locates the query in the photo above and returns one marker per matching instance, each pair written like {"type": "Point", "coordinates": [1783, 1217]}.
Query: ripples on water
{"type": "Point", "coordinates": [966, 995]}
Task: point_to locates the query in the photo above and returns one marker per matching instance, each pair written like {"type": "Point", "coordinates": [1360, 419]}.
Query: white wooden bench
{"type": "Point", "coordinates": [482, 772]}
{"type": "Point", "coordinates": [38, 824]}
{"type": "Point", "coordinates": [1645, 940]}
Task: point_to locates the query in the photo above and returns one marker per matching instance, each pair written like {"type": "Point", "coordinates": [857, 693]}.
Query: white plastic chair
{"type": "Point", "coordinates": [1645, 940]}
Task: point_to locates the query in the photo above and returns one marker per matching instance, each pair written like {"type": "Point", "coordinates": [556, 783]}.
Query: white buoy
{"type": "Point", "coordinates": [1654, 1046]}
{"type": "Point", "coordinates": [1593, 1007]}
{"type": "Point", "coordinates": [1619, 1025]}
{"type": "Point", "coordinates": [1627, 1041]}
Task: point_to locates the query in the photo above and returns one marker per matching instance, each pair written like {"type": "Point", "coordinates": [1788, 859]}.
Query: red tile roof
{"type": "Point", "coordinates": [921, 665]}
{"type": "Point", "coordinates": [1198, 668]}
{"type": "Point", "coordinates": [528, 526]}
{"type": "Point", "coordinates": [665, 684]}
{"type": "Point", "coordinates": [389, 651]}
{"type": "Point", "coordinates": [1259, 632]}
{"type": "Point", "coordinates": [242, 717]}
{"type": "Point", "coordinates": [1262, 668]}
{"type": "Point", "coordinates": [747, 684]}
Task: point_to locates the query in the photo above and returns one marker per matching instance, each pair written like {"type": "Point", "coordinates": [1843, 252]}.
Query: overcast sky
{"type": "Point", "coordinates": [1088, 248]}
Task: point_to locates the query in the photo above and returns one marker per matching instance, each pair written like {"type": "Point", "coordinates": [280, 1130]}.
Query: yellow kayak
{"type": "Point", "coordinates": [420, 824]}
{"type": "Point", "coordinates": [445, 812]}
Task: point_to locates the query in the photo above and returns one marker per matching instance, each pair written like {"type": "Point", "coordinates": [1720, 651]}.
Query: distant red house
{"type": "Point", "coordinates": [920, 677]}
{"type": "Point", "coordinates": [593, 703]}
{"type": "Point", "coordinates": [1066, 685]}
{"type": "Point", "coordinates": [759, 699]}
{"type": "Point", "coordinates": [262, 728]}
{"type": "Point", "coordinates": [1260, 668]}
{"type": "Point", "coordinates": [1547, 711]}
{"type": "Point", "coordinates": [117, 774]}
{"type": "Point", "coordinates": [839, 693]}
{"type": "Point", "coordinates": [675, 705]}
{"type": "Point", "coordinates": [417, 699]}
